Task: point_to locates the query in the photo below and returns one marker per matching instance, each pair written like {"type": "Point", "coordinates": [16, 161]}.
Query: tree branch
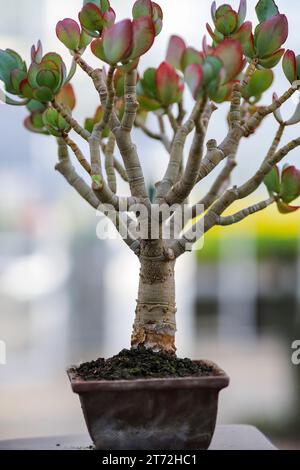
{"type": "Point", "coordinates": [253, 123]}
{"type": "Point", "coordinates": [71, 121]}
{"type": "Point", "coordinates": [182, 189]}
{"type": "Point", "coordinates": [77, 152]}
{"type": "Point", "coordinates": [123, 138]}
{"type": "Point", "coordinates": [66, 169]}
{"type": "Point", "coordinates": [176, 156]}
{"type": "Point", "coordinates": [243, 214]}
{"type": "Point", "coordinates": [109, 163]}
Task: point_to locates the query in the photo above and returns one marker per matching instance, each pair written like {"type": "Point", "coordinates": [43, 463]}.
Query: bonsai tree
{"type": "Point", "coordinates": [234, 67]}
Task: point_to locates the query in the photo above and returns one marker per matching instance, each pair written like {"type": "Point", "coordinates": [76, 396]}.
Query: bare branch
{"type": "Point", "coordinates": [176, 156]}
{"type": "Point", "coordinates": [252, 124]}
{"type": "Point", "coordinates": [127, 148]}
{"type": "Point", "coordinates": [120, 170]}
{"type": "Point", "coordinates": [182, 189]}
{"type": "Point", "coordinates": [212, 216]}
{"type": "Point", "coordinates": [109, 163]}
{"type": "Point", "coordinates": [77, 152]}
{"type": "Point", "coordinates": [66, 169]}
{"type": "Point", "coordinates": [71, 121]}
{"type": "Point", "coordinates": [241, 215]}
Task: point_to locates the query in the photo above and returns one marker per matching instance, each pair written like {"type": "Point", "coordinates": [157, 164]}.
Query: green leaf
{"type": "Point", "coordinates": [43, 94]}
{"type": "Point", "coordinates": [191, 56]}
{"type": "Point", "coordinates": [68, 32]}
{"type": "Point", "coordinates": [260, 81]}
{"type": "Point", "coordinates": [176, 49]}
{"type": "Point", "coordinates": [168, 84]}
{"type": "Point", "coordinates": [270, 35]}
{"type": "Point", "coordinates": [231, 54]}
{"type": "Point", "coordinates": [148, 104]}
{"type": "Point", "coordinates": [272, 60]}
{"type": "Point", "coordinates": [148, 83]}
{"type": "Point", "coordinates": [91, 18]}
{"type": "Point", "coordinates": [227, 23]}
{"type": "Point", "coordinates": [265, 9]}
{"type": "Point", "coordinates": [290, 184]}
{"type": "Point", "coordinates": [117, 41]}
{"type": "Point", "coordinates": [143, 36]}
{"type": "Point", "coordinates": [272, 181]}
{"type": "Point", "coordinates": [142, 8]}
{"type": "Point", "coordinates": [289, 66]}
{"type": "Point", "coordinates": [193, 76]}
{"type": "Point", "coordinates": [16, 77]}
{"type": "Point", "coordinates": [67, 97]}
{"type": "Point", "coordinates": [97, 49]}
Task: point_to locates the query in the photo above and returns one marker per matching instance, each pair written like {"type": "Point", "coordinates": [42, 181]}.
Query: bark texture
{"type": "Point", "coordinates": [155, 320]}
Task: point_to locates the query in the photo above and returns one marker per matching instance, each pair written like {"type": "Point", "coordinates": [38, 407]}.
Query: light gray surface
{"type": "Point", "coordinates": [235, 437]}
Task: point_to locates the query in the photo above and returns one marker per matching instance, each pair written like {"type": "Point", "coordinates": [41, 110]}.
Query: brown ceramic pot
{"type": "Point", "coordinates": [151, 414]}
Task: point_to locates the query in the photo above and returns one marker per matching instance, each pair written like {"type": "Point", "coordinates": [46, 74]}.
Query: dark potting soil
{"type": "Point", "coordinates": [142, 363]}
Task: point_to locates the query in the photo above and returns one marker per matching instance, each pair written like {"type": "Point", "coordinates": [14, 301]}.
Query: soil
{"type": "Point", "coordinates": [142, 363]}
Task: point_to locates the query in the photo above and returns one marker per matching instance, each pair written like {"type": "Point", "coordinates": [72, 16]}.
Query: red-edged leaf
{"type": "Point", "coordinates": [272, 60]}
{"type": "Point", "coordinates": [191, 56]}
{"type": "Point", "coordinates": [142, 8]}
{"type": "Point", "coordinates": [67, 97]}
{"type": "Point", "coordinates": [231, 54]}
{"type": "Point", "coordinates": [271, 34]}
{"type": "Point", "coordinates": [97, 49]}
{"type": "Point", "coordinates": [109, 18]}
{"type": "Point", "coordinates": [213, 11]}
{"type": "Point", "coordinates": [167, 83]}
{"type": "Point", "coordinates": [242, 13]}
{"type": "Point", "coordinates": [260, 81]}
{"type": "Point", "coordinates": [285, 208]}
{"type": "Point", "coordinates": [68, 32]}
{"type": "Point", "coordinates": [91, 18]}
{"type": "Point", "coordinates": [290, 184]}
{"type": "Point", "coordinates": [223, 93]}
{"type": "Point", "coordinates": [215, 35]}
{"type": "Point", "coordinates": [117, 41]}
{"type": "Point", "coordinates": [157, 18]}
{"type": "Point", "coordinates": [175, 51]}
{"type": "Point", "coordinates": [289, 66]}
{"type": "Point", "coordinates": [277, 113]}
{"type": "Point", "coordinates": [194, 78]}
{"type": "Point", "coordinates": [37, 53]}
{"type": "Point", "coordinates": [265, 9]}
{"type": "Point", "coordinates": [295, 119]}
{"type": "Point", "coordinates": [245, 37]}
{"type": "Point", "coordinates": [26, 89]}
{"type": "Point", "coordinates": [227, 23]}
{"type": "Point", "coordinates": [143, 36]}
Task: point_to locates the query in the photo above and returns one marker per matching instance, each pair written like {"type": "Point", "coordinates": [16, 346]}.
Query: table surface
{"type": "Point", "coordinates": [227, 437]}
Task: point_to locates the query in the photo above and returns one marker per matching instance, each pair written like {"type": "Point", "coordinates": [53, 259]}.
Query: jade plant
{"type": "Point", "coordinates": [234, 69]}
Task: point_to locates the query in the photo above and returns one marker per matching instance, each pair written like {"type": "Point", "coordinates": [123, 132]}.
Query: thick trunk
{"type": "Point", "coordinates": [155, 322]}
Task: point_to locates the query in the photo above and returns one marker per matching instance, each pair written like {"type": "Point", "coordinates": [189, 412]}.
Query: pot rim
{"type": "Point", "coordinates": [217, 382]}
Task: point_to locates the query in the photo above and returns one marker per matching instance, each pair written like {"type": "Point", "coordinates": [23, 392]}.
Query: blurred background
{"type": "Point", "coordinates": [238, 297]}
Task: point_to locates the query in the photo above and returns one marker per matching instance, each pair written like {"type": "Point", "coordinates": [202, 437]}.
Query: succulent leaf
{"type": "Point", "coordinates": [231, 54]}
{"type": "Point", "coordinates": [290, 184]}
{"type": "Point", "coordinates": [176, 49]}
{"type": "Point", "coordinates": [194, 78]}
{"type": "Point", "coordinates": [272, 181]}
{"type": "Point", "coordinates": [68, 32]}
{"type": "Point", "coordinates": [271, 35]}
{"type": "Point", "coordinates": [289, 66]}
{"type": "Point", "coordinates": [265, 9]}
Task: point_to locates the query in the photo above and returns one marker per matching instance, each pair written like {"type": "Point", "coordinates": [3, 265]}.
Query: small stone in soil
{"type": "Point", "coordinates": [142, 363]}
